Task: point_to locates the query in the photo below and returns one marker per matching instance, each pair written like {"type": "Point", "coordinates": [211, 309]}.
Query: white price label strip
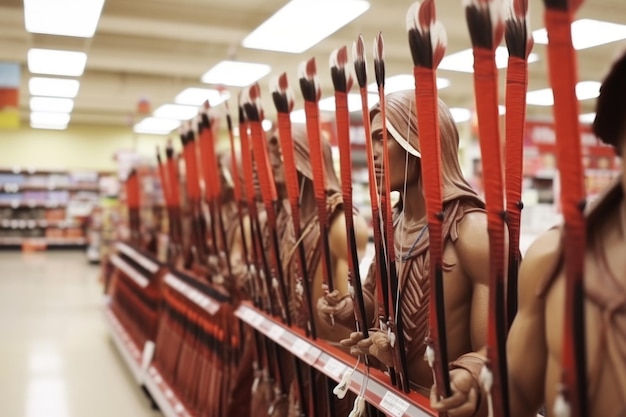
{"type": "Point", "coordinates": [276, 332]}
{"type": "Point", "coordinates": [394, 405]}
{"type": "Point", "coordinates": [300, 347]}
{"type": "Point", "coordinates": [334, 368]}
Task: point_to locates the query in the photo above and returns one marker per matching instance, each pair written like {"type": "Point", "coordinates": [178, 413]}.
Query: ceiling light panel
{"type": "Point", "coordinates": [50, 119]}
{"type": "Point", "coordinates": [53, 87]}
{"type": "Point", "coordinates": [354, 102]}
{"type": "Point", "coordinates": [404, 82]}
{"type": "Point", "coordinates": [236, 74]}
{"type": "Point", "coordinates": [51, 104]}
{"type": "Point", "coordinates": [156, 126]}
{"type": "Point", "coordinates": [301, 24]}
{"type": "Point", "coordinates": [587, 33]}
{"type": "Point", "coordinates": [585, 90]}
{"type": "Point", "coordinates": [197, 96]}
{"type": "Point", "coordinates": [587, 118]}
{"type": "Point", "coordinates": [56, 62]}
{"type": "Point", "coordinates": [77, 18]}
{"type": "Point", "coordinates": [47, 126]}
{"type": "Point", "coordinates": [460, 114]}
{"type": "Point", "coordinates": [463, 61]}
{"type": "Point", "coordinates": [176, 112]}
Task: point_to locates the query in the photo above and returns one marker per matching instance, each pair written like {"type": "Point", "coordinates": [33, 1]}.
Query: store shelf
{"type": "Point", "coordinates": [163, 395]}
{"type": "Point", "coordinates": [127, 348]}
{"type": "Point", "coordinates": [130, 272]}
{"type": "Point", "coordinates": [145, 262]}
{"type": "Point", "coordinates": [151, 379]}
{"type": "Point", "coordinates": [197, 297]}
{"type": "Point", "coordinates": [333, 363]}
{"type": "Point", "coordinates": [12, 188]}
{"type": "Point", "coordinates": [18, 240]}
{"type": "Point", "coordinates": [34, 223]}
{"type": "Point", "coordinates": [15, 204]}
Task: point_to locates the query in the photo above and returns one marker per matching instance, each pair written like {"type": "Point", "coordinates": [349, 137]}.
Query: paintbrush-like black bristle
{"type": "Point", "coordinates": [379, 60]}
{"type": "Point", "coordinates": [562, 5]}
{"type": "Point", "coordinates": [485, 22]}
{"type": "Point", "coordinates": [250, 108]}
{"type": "Point", "coordinates": [169, 149]}
{"type": "Point", "coordinates": [307, 80]}
{"type": "Point", "coordinates": [158, 155]}
{"type": "Point", "coordinates": [241, 113]}
{"type": "Point", "coordinates": [341, 79]}
{"type": "Point", "coordinates": [519, 40]}
{"type": "Point", "coordinates": [279, 87]}
{"type": "Point", "coordinates": [360, 62]}
{"type": "Point", "coordinates": [515, 34]}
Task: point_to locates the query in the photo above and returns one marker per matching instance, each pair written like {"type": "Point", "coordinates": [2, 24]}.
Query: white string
{"type": "Point", "coordinates": [402, 216]}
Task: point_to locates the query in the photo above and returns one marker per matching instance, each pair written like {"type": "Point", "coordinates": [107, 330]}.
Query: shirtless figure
{"type": "Point", "coordinates": [465, 260]}
{"type": "Point", "coordinates": [535, 340]}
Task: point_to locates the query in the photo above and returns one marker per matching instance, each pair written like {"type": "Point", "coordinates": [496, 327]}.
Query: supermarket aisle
{"type": "Point", "coordinates": [56, 357]}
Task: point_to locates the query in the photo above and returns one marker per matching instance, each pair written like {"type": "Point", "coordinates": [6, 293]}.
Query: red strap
{"type": "Point", "coordinates": [208, 158]}
{"type": "Point", "coordinates": [319, 178]}
{"type": "Point", "coordinates": [291, 173]}
{"type": "Point", "coordinates": [164, 184]}
{"type": "Point", "coordinates": [246, 163]}
{"type": "Point", "coordinates": [264, 169]}
{"type": "Point", "coordinates": [563, 77]}
{"type": "Point", "coordinates": [234, 167]}
{"type": "Point", "coordinates": [345, 151]}
{"type": "Point", "coordinates": [486, 90]}
{"type": "Point", "coordinates": [191, 163]}
{"type": "Point", "coordinates": [173, 181]}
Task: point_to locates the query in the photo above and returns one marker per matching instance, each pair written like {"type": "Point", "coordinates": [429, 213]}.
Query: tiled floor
{"type": "Point", "coordinates": [56, 357]}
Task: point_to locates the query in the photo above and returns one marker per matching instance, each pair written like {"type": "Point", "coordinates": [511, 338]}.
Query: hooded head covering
{"type": "Point", "coordinates": [402, 127]}
{"type": "Point", "coordinates": [610, 121]}
{"type": "Point", "coordinates": [303, 158]}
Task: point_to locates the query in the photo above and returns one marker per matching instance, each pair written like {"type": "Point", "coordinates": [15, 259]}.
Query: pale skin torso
{"type": "Point", "coordinates": [535, 341]}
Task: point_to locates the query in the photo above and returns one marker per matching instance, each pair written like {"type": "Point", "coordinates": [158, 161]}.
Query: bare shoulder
{"type": "Point", "coordinates": [539, 264]}
{"type": "Point", "coordinates": [338, 235]}
{"type": "Point", "coordinates": [472, 246]}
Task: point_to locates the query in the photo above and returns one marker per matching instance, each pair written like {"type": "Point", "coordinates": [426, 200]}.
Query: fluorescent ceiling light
{"type": "Point", "coordinates": [47, 118]}
{"type": "Point", "coordinates": [463, 61]}
{"type": "Point", "coordinates": [197, 96]}
{"type": "Point", "coordinates": [55, 62]}
{"type": "Point", "coordinates": [267, 124]}
{"type": "Point", "coordinates": [585, 90]}
{"type": "Point", "coordinates": [63, 17]}
{"type": "Point", "coordinates": [587, 33]}
{"type": "Point", "coordinates": [460, 114]}
{"type": "Point", "coordinates": [156, 126]}
{"type": "Point", "coordinates": [298, 116]}
{"type": "Point", "coordinates": [51, 104]}
{"type": "Point", "coordinates": [354, 102]}
{"type": "Point", "coordinates": [176, 112]}
{"type": "Point", "coordinates": [301, 24]}
{"type": "Point", "coordinates": [47, 126]}
{"type": "Point", "coordinates": [53, 87]}
{"type": "Point", "coordinates": [587, 118]}
{"type": "Point", "coordinates": [404, 82]}
{"type": "Point", "coordinates": [236, 74]}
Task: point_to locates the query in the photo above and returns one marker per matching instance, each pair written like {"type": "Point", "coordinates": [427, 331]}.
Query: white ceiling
{"type": "Point", "coordinates": [155, 48]}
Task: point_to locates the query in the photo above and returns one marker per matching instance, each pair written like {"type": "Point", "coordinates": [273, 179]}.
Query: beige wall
{"type": "Point", "coordinates": [78, 147]}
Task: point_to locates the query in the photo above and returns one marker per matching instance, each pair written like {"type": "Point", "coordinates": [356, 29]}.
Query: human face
{"type": "Point", "coordinates": [276, 160]}
{"type": "Point", "coordinates": [401, 168]}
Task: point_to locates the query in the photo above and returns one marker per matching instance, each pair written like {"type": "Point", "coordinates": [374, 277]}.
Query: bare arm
{"type": "Point", "coordinates": [526, 346]}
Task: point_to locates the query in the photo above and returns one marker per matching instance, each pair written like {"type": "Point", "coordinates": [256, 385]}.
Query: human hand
{"type": "Point", "coordinates": [333, 306]}
{"type": "Point", "coordinates": [465, 398]}
{"type": "Point", "coordinates": [377, 345]}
